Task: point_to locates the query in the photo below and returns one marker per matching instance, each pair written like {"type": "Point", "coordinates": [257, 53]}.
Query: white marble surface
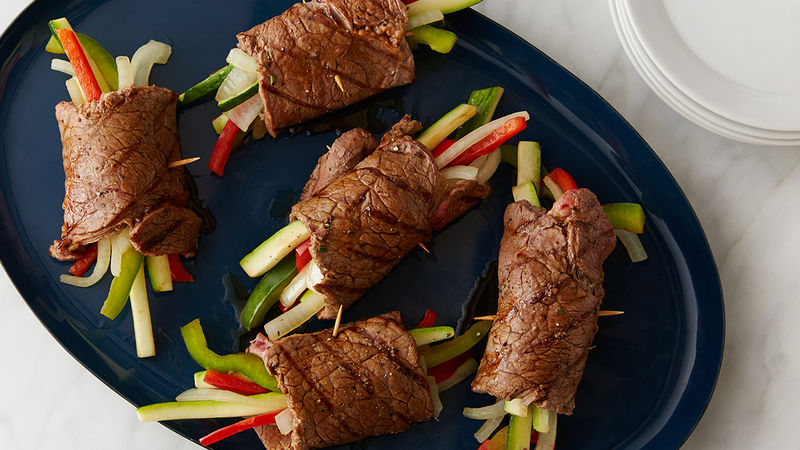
{"type": "Point", "coordinates": [742, 194]}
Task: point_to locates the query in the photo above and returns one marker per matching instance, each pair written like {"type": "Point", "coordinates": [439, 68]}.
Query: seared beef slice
{"type": "Point", "coordinates": [550, 281]}
{"type": "Point", "coordinates": [115, 153]}
{"type": "Point", "coordinates": [366, 381]}
{"type": "Point", "coordinates": [364, 222]}
{"type": "Point", "coordinates": [301, 53]}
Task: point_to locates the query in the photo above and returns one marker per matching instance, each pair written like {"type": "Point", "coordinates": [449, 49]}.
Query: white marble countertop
{"type": "Point", "coordinates": [741, 193]}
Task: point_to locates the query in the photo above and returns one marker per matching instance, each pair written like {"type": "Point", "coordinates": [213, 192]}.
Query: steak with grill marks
{"type": "Point", "coordinates": [364, 222]}
{"type": "Point", "coordinates": [366, 381]}
{"type": "Point", "coordinates": [550, 282]}
{"type": "Point", "coordinates": [115, 153]}
{"type": "Point", "coordinates": [322, 55]}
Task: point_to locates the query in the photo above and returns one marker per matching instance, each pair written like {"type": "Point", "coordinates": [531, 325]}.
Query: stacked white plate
{"type": "Point", "coordinates": [730, 66]}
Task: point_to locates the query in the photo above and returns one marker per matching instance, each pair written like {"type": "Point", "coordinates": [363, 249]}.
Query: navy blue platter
{"type": "Point", "coordinates": [646, 384]}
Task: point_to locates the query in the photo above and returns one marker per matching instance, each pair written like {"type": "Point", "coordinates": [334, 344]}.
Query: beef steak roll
{"type": "Point", "coordinates": [322, 55]}
{"type": "Point", "coordinates": [365, 381]}
{"type": "Point", "coordinates": [115, 153]}
{"type": "Point", "coordinates": [550, 282]}
{"type": "Point", "coordinates": [366, 220]}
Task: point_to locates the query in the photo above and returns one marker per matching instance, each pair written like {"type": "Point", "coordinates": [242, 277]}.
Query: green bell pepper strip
{"type": "Point", "coordinates": [121, 284]}
{"type": "Point", "coordinates": [247, 364]}
{"type": "Point", "coordinates": [438, 40]}
{"type": "Point", "coordinates": [438, 354]}
{"type": "Point", "coordinates": [267, 292]}
{"type": "Point", "coordinates": [625, 216]}
{"type": "Point", "coordinates": [486, 101]}
{"type": "Point", "coordinates": [206, 86]}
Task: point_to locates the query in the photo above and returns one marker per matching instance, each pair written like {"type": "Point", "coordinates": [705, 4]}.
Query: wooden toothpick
{"type": "Point", "coordinates": [604, 313]}
{"type": "Point", "coordinates": [422, 246]}
{"type": "Point", "coordinates": [492, 317]}
{"type": "Point", "coordinates": [338, 80]}
{"type": "Point", "coordinates": [182, 162]}
{"type": "Point", "coordinates": [338, 322]}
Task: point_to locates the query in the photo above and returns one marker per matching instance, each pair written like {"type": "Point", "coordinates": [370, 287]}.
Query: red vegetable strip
{"type": "Point", "coordinates": [233, 383]}
{"type": "Point", "coordinates": [491, 142]}
{"type": "Point", "coordinates": [82, 265]}
{"type": "Point", "coordinates": [302, 255]}
{"type": "Point", "coordinates": [428, 319]}
{"type": "Point", "coordinates": [446, 369]}
{"type": "Point", "coordinates": [444, 145]}
{"type": "Point", "coordinates": [222, 149]}
{"type": "Point", "coordinates": [242, 425]}
{"type": "Point", "coordinates": [83, 71]}
{"type": "Point", "coordinates": [176, 270]}
{"type": "Point", "coordinates": [562, 178]}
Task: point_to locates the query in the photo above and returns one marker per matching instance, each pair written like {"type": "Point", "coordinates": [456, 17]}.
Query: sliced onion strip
{"type": "Point", "coordinates": [486, 412]}
{"type": "Point", "coordinates": [437, 403]}
{"type": "Point", "coordinates": [63, 66]}
{"type": "Point", "coordinates": [235, 83]}
{"type": "Point", "coordinates": [153, 52]}
{"type": "Point", "coordinates": [463, 372]}
{"type": "Point", "coordinates": [474, 137]}
{"type": "Point", "coordinates": [244, 114]}
{"type": "Point", "coordinates": [296, 287]}
{"type": "Point", "coordinates": [100, 267]}
{"type": "Point", "coordinates": [632, 244]}
{"type": "Point", "coordinates": [75, 92]}
{"type": "Point", "coordinates": [272, 401]}
{"type": "Point", "coordinates": [488, 427]}
{"type": "Point", "coordinates": [461, 172]}
{"type": "Point", "coordinates": [489, 166]}
{"type": "Point", "coordinates": [285, 421]}
{"type": "Point", "coordinates": [124, 72]}
{"type": "Point", "coordinates": [424, 18]}
{"type": "Point", "coordinates": [310, 304]}
{"type": "Point", "coordinates": [241, 60]}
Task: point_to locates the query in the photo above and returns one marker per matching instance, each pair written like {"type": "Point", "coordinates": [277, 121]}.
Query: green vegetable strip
{"type": "Point", "coordinates": [103, 65]}
{"type": "Point", "coordinates": [446, 6]}
{"type": "Point", "coordinates": [121, 284]}
{"type": "Point", "coordinates": [438, 40]}
{"type": "Point", "coordinates": [267, 292]}
{"type": "Point", "coordinates": [440, 353]}
{"type": "Point", "coordinates": [424, 336]}
{"type": "Point", "coordinates": [486, 101]}
{"type": "Point", "coordinates": [238, 99]}
{"type": "Point", "coordinates": [206, 86]}
{"type": "Point", "coordinates": [247, 364]}
{"type": "Point", "coordinates": [625, 216]}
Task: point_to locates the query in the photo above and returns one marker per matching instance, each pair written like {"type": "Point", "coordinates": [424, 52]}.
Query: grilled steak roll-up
{"type": "Point", "coordinates": [366, 220]}
{"type": "Point", "coordinates": [322, 55]}
{"type": "Point", "coordinates": [365, 381]}
{"type": "Point", "coordinates": [550, 283]}
{"type": "Point", "coordinates": [116, 152]}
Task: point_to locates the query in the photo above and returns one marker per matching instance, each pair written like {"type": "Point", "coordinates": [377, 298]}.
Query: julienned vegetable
{"type": "Point", "coordinates": [310, 304]}
{"type": "Point", "coordinates": [424, 336]}
{"type": "Point", "coordinates": [247, 364]}
{"type": "Point", "coordinates": [159, 273]}
{"type": "Point", "coordinates": [563, 179]}
{"type": "Point", "coordinates": [485, 100]}
{"type": "Point", "coordinates": [625, 216]}
{"type": "Point", "coordinates": [232, 382]}
{"type": "Point", "coordinates": [176, 270]}
{"type": "Point", "coordinates": [464, 371]}
{"type": "Point", "coordinates": [491, 142]}
{"type": "Point", "coordinates": [100, 267]}
{"type": "Point", "coordinates": [438, 354]}
{"type": "Point", "coordinates": [274, 249]}
{"type": "Point", "coordinates": [441, 41]}
{"type": "Point", "coordinates": [519, 432]}
{"type": "Point", "coordinates": [242, 425]}
{"type": "Point", "coordinates": [267, 292]}
{"type": "Point", "coordinates": [445, 6]}
{"type": "Point", "coordinates": [200, 409]}
{"type": "Point", "coordinates": [428, 319]}
{"type": "Point", "coordinates": [83, 71]}
{"type": "Point", "coordinates": [442, 128]}
{"type": "Point", "coordinates": [142, 61]}
{"type": "Point", "coordinates": [121, 284]}
{"type": "Point", "coordinates": [206, 86]}
{"type": "Point", "coordinates": [474, 137]}
{"type": "Point", "coordinates": [527, 192]}
{"type": "Point", "coordinates": [529, 162]}
{"type": "Point", "coordinates": [223, 147]}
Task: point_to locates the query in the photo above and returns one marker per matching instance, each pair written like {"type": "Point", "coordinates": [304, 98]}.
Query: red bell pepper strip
{"type": "Point", "coordinates": [302, 255]}
{"type": "Point", "coordinates": [562, 178]}
{"type": "Point", "coordinates": [233, 383]}
{"type": "Point", "coordinates": [176, 270]}
{"type": "Point", "coordinates": [446, 369]}
{"type": "Point", "coordinates": [77, 58]}
{"type": "Point", "coordinates": [242, 425]}
{"type": "Point", "coordinates": [428, 319]}
{"type": "Point", "coordinates": [444, 145]}
{"type": "Point", "coordinates": [491, 142]}
{"type": "Point", "coordinates": [498, 442]}
{"type": "Point", "coordinates": [82, 265]}
{"type": "Point", "coordinates": [222, 149]}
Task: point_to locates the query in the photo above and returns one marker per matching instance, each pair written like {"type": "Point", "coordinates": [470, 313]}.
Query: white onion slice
{"type": "Point", "coordinates": [547, 441]}
{"type": "Point", "coordinates": [100, 267]}
{"type": "Point", "coordinates": [489, 166]}
{"type": "Point", "coordinates": [241, 60]}
{"type": "Point", "coordinates": [486, 412]}
{"type": "Point", "coordinates": [120, 243]}
{"type": "Point", "coordinates": [285, 420]}
{"type": "Point", "coordinates": [488, 427]}
{"type": "Point", "coordinates": [296, 287]}
{"type": "Point", "coordinates": [460, 172]}
{"type": "Point", "coordinates": [63, 66]}
{"type": "Point", "coordinates": [75, 92]}
{"type": "Point", "coordinates": [553, 186]}
{"type": "Point", "coordinates": [153, 52]}
{"type": "Point", "coordinates": [315, 276]}
{"type": "Point", "coordinates": [235, 83]}
{"type": "Point", "coordinates": [475, 136]}
{"type": "Point", "coordinates": [463, 372]}
{"type": "Point", "coordinates": [140, 311]}
{"type": "Point", "coordinates": [437, 403]}
{"type": "Point", "coordinates": [632, 244]}
{"type": "Point", "coordinates": [272, 401]}
{"type": "Point", "coordinates": [124, 72]}
{"type": "Point", "coordinates": [244, 114]}
{"type": "Point", "coordinates": [424, 18]}
{"type": "Point", "coordinates": [310, 304]}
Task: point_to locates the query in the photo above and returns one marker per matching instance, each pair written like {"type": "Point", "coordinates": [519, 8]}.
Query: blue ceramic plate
{"type": "Point", "coordinates": [654, 369]}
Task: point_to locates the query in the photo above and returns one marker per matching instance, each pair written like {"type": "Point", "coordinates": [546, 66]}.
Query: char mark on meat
{"type": "Point", "coordinates": [304, 55]}
{"type": "Point", "coordinates": [550, 282]}
{"type": "Point", "coordinates": [366, 381]}
{"type": "Point", "coordinates": [115, 153]}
